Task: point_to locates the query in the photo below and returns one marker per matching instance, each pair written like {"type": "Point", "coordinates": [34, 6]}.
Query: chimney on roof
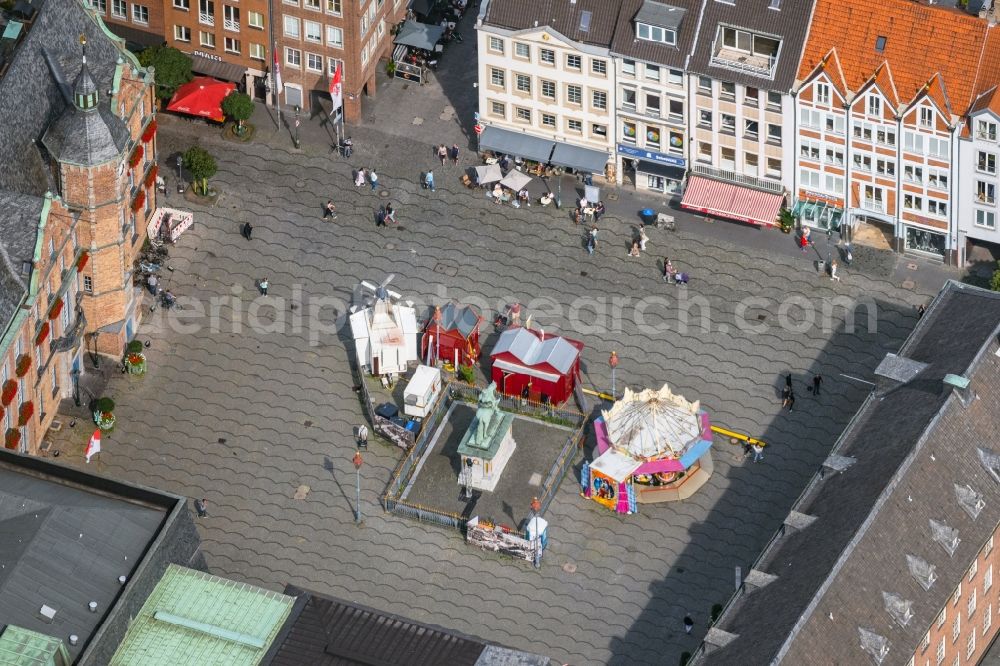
{"type": "Point", "coordinates": [960, 385]}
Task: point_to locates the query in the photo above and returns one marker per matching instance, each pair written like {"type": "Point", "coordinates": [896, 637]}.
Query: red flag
{"type": "Point", "coordinates": [94, 446]}
{"type": "Point", "coordinates": [277, 69]}
{"type": "Point", "coordinates": [336, 89]}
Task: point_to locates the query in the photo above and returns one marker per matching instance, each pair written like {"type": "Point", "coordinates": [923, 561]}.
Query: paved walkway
{"type": "Point", "coordinates": [250, 419]}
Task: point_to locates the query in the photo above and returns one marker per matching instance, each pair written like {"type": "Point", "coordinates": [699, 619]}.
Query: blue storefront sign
{"type": "Point", "coordinates": [649, 155]}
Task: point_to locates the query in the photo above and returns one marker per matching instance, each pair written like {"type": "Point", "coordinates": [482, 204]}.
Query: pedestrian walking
{"type": "Point", "coordinates": [453, 153]}
{"type": "Point", "coordinates": [833, 271]}
{"type": "Point", "coordinates": [786, 393]}
{"type": "Point", "coordinates": [429, 179]}
{"type": "Point", "coordinates": [442, 154]}
{"type": "Point", "coordinates": [262, 285]}
{"type": "Point", "coordinates": [380, 217]}
{"type": "Point", "coordinates": [329, 210]}
{"type": "Point", "coordinates": [373, 178]}
{"type": "Point", "coordinates": [788, 381]}
{"type": "Point", "coordinates": [634, 252]}
{"type": "Point", "coordinates": [390, 215]}
{"type": "Point", "coordinates": [247, 231]}
{"type": "Point", "coordinates": [201, 506]}
{"type": "Point", "coordinates": [688, 624]}
{"type": "Point", "coordinates": [791, 400]}
{"type": "Point", "coordinates": [921, 309]}
{"type": "Point", "coordinates": [804, 239]}
{"type": "Point", "coordinates": [151, 283]}
{"type": "Point", "coordinates": [758, 452]}
{"type": "Point", "coordinates": [359, 178]}
{"type": "Point", "coordinates": [643, 239]}
{"type": "Point", "coordinates": [592, 240]}
{"type": "Point", "coordinates": [817, 380]}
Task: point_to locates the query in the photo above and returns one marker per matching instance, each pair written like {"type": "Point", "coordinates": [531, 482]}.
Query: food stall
{"type": "Point", "coordinates": [452, 336]}
{"type": "Point", "coordinates": [169, 223]}
{"type": "Point", "coordinates": [528, 363]}
{"type": "Point", "coordinates": [422, 391]}
{"type": "Point", "coordinates": [416, 43]}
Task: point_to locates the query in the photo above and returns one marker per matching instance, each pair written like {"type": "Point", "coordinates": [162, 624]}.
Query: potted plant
{"type": "Point", "coordinates": [12, 438]}
{"type": "Point", "coordinates": [25, 413]}
{"type": "Point", "coordinates": [466, 374]}
{"type": "Point", "coordinates": [135, 360]}
{"type": "Point", "coordinates": [239, 107]}
{"type": "Point", "coordinates": [390, 68]}
{"type": "Point", "coordinates": [23, 365]}
{"type": "Point", "coordinates": [104, 413]}
{"type": "Point", "coordinates": [201, 165]}
{"type": "Point", "coordinates": [786, 221]}
{"type": "Point", "coordinates": [9, 391]}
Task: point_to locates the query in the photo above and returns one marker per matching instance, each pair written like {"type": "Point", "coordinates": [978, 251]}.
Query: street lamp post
{"type": "Point", "coordinates": [437, 336]}
{"type": "Point", "coordinates": [357, 467]}
{"type": "Point", "coordinates": [297, 109]}
{"type": "Point", "coordinates": [180, 176]}
{"type": "Point", "coordinates": [613, 362]}
{"type": "Point", "coordinates": [97, 358]}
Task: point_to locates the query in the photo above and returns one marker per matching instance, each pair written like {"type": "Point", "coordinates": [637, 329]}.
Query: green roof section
{"type": "Point", "coordinates": [23, 647]}
{"type": "Point", "coordinates": [195, 618]}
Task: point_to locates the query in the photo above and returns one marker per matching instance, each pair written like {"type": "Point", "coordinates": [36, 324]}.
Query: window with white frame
{"type": "Point", "coordinates": [334, 7]}
{"type": "Point", "coordinates": [629, 132]}
{"type": "Point", "coordinates": [885, 167]}
{"type": "Point", "coordinates": [311, 4]}
{"type": "Point", "coordinates": [940, 651]}
{"type": "Point", "coordinates": [547, 56]}
{"type": "Point", "coordinates": [628, 67]}
{"type": "Point", "coordinates": [88, 284]}
{"type": "Point", "coordinates": [140, 14]}
{"type": "Point", "coordinates": [913, 142]}
{"type": "Point", "coordinates": [498, 109]}
{"type": "Point", "coordinates": [181, 4]}
{"type": "Point", "coordinates": [835, 156]}
{"type": "Point", "coordinates": [987, 618]}
{"type": "Point", "coordinates": [704, 118]}
{"type": "Point", "coordinates": [938, 147]}
{"type": "Point", "coordinates": [293, 57]}
{"type": "Point", "coordinates": [809, 178]}
{"type": "Point", "coordinates": [573, 61]}
{"type": "Point", "coordinates": [988, 578]}
{"type": "Point", "coordinates": [334, 37]}
{"type": "Point", "coordinates": [206, 39]}
{"type": "Point", "coordinates": [834, 123]}
{"type": "Point", "coordinates": [364, 55]}
{"type": "Point", "coordinates": [548, 89]}
{"type": "Point", "coordinates": [331, 65]}
{"type": "Point", "coordinates": [599, 131]}
{"type": "Point", "coordinates": [100, 5]}
{"type": "Point", "coordinates": [548, 120]}
{"type": "Point", "coordinates": [293, 27]}
{"type": "Point", "coordinates": [727, 123]}
{"type": "Point", "coordinates": [232, 45]}
{"type": "Point", "coordinates": [599, 99]}
{"type": "Point", "coordinates": [956, 626]}
{"type": "Point", "coordinates": [705, 85]}
{"type": "Point", "coordinates": [119, 8]}
{"type": "Point", "coordinates": [957, 594]}
{"type": "Point", "coordinates": [574, 94]}
{"type": "Point", "coordinates": [496, 44]}
{"type": "Point", "coordinates": [986, 219]}
{"type": "Point", "coordinates": [182, 33]}
{"type": "Point", "coordinates": [232, 17]}
{"type": "Point", "coordinates": [986, 130]}
{"type": "Point", "coordinates": [810, 118]}
{"type": "Point", "coordinates": [937, 178]}
{"type": "Point", "coordinates": [912, 202]}
{"type": "Point", "coordinates": [522, 82]}
{"type": "Point", "coordinates": [970, 645]}
{"type": "Point", "coordinates": [833, 184]}
{"type": "Point", "coordinates": [986, 162]}
{"type": "Point", "coordinates": [522, 50]}
{"type": "Point", "coordinates": [599, 67]}
{"type": "Point", "coordinates": [810, 150]}
{"type": "Point", "coordinates": [727, 91]}
{"type": "Point", "coordinates": [773, 100]}
{"type": "Point", "coordinates": [774, 133]}
{"type": "Point", "coordinates": [314, 31]}
{"type": "Point", "coordinates": [874, 106]}
{"type": "Point", "coordinates": [773, 167]}
{"type": "Point", "coordinates": [926, 117]}
{"type": "Point", "coordinates": [497, 77]}
{"type": "Point", "coordinates": [652, 134]}
{"type": "Point", "coordinates": [971, 606]}
{"type": "Point", "coordinates": [256, 51]}
{"type": "Point", "coordinates": [314, 62]}
{"type": "Point", "coordinates": [574, 125]}
{"type": "Point", "coordinates": [675, 77]}
{"type": "Point", "coordinates": [989, 545]}
{"type": "Point", "coordinates": [654, 33]}
{"type": "Point", "coordinates": [522, 114]}
{"type": "Point", "coordinates": [914, 174]}
{"type": "Point", "coordinates": [751, 128]}
{"type": "Point", "coordinates": [822, 93]}
{"type": "Point", "coordinates": [652, 72]}
{"type": "Point", "coordinates": [255, 20]}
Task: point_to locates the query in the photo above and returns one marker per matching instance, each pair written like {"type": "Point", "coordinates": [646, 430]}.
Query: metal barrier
{"type": "Point", "coordinates": [396, 434]}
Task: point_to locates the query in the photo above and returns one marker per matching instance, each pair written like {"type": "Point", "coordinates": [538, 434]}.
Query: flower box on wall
{"type": "Point", "coordinates": [56, 309]}
{"type": "Point", "coordinates": [9, 391]}
{"type": "Point", "coordinates": [149, 132]}
{"type": "Point", "coordinates": [25, 413]}
{"type": "Point", "coordinates": [151, 176]}
{"type": "Point", "coordinates": [23, 365]}
{"type": "Point", "coordinates": [136, 156]}
{"type": "Point", "coordinates": [12, 438]}
{"type": "Point", "coordinates": [140, 200]}
{"type": "Point", "coordinates": [43, 334]}
{"type": "Point", "coordinates": [82, 261]}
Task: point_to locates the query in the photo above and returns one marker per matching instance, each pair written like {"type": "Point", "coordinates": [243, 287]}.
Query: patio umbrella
{"type": "Point", "coordinates": [653, 424]}
{"type": "Point", "coordinates": [490, 173]}
{"type": "Point", "coordinates": [202, 96]}
{"type": "Point", "coordinates": [515, 180]}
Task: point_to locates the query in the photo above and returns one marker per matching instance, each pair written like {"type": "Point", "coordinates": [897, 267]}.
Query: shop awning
{"type": "Point", "coordinates": [217, 69]}
{"type": "Point", "coordinates": [662, 170]}
{"type": "Point", "coordinates": [419, 35]}
{"type": "Point", "coordinates": [731, 201]}
{"type": "Point", "coordinates": [516, 143]}
{"type": "Point", "coordinates": [580, 159]}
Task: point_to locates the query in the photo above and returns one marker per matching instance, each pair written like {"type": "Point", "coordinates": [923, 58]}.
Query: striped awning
{"type": "Point", "coordinates": [745, 204]}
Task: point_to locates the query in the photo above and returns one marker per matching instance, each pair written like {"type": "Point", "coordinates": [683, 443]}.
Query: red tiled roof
{"type": "Point", "coordinates": [936, 91]}
{"type": "Point", "coordinates": [920, 41]}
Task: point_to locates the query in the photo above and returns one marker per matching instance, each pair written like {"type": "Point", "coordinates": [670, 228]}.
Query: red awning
{"type": "Point", "coordinates": [732, 201]}
{"type": "Point", "coordinates": [202, 96]}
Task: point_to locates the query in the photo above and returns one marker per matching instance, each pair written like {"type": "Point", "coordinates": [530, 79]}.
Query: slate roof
{"type": "Point", "coordinates": [913, 444]}
{"type": "Point", "coordinates": [464, 319]}
{"type": "Point", "coordinates": [31, 97]}
{"type": "Point", "coordinates": [560, 15]}
{"type": "Point", "coordinates": [325, 631]}
{"type": "Point", "coordinates": [192, 617]}
{"type": "Point", "coordinates": [20, 215]}
{"type": "Point", "coordinates": [527, 347]}
{"type": "Point", "coordinates": [790, 23]}
{"type": "Point", "coordinates": [921, 41]}
{"type": "Point", "coordinates": [625, 42]}
{"type": "Point", "coordinates": [65, 545]}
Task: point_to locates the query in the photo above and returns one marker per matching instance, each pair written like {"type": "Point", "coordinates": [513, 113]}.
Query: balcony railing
{"type": "Point", "coordinates": [989, 136]}
{"type": "Point", "coordinates": [229, 24]}
{"type": "Point", "coordinates": [873, 205]}
{"type": "Point", "coordinates": [986, 198]}
{"type": "Point", "coordinates": [737, 178]}
{"type": "Point", "coordinates": [71, 338]}
{"type": "Point", "coordinates": [744, 62]}
{"type": "Point", "coordinates": [206, 19]}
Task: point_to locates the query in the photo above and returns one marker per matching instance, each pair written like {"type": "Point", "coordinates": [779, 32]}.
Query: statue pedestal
{"type": "Point", "coordinates": [484, 474]}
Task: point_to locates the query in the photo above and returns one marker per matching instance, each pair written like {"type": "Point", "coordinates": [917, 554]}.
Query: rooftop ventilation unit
{"type": "Point", "coordinates": [960, 385]}
{"type": "Point", "coordinates": [47, 614]}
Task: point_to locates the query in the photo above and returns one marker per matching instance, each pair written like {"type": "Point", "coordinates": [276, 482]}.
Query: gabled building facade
{"type": "Point", "coordinates": [547, 81]}
{"type": "Point", "coordinates": [77, 203]}
{"type": "Point", "coordinates": [880, 114]}
{"type": "Point", "coordinates": [976, 196]}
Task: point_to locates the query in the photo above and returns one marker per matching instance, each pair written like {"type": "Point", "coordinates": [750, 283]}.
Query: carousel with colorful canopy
{"type": "Point", "coordinates": [654, 446]}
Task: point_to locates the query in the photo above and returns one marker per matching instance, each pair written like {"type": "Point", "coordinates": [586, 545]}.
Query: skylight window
{"type": "Point", "coordinates": [585, 21]}
{"type": "Point", "coordinates": [880, 43]}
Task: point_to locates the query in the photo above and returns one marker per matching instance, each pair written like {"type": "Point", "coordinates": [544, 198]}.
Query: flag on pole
{"type": "Point", "coordinates": [94, 446]}
{"type": "Point", "coordinates": [277, 70]}
{"type": "Point", "coordinates": [336, 90]}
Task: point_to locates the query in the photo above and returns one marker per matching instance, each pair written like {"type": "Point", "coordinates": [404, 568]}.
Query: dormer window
{"type": "Point", "coordinates": [654, 33]}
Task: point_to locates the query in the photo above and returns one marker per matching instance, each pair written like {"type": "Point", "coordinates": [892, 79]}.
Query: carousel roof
{"type": "Point", "coordinates": [653, 423]}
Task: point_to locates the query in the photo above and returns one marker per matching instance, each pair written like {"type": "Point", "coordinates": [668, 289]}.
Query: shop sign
{"type": "Point", "coordinates": [651, 156]}
{"type": "Point", "coordinates": [209, 56]}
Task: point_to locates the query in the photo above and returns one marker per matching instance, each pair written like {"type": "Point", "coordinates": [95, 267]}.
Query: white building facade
{"type": "Point", "coordinates": [978, 186]}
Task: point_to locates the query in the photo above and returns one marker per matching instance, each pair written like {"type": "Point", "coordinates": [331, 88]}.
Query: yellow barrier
{"type": "Point", "coordinates": [738, 435]}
